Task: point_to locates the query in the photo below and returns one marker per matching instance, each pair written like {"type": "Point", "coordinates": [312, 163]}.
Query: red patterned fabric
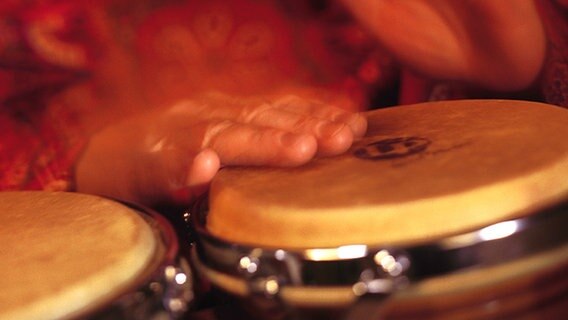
{"type": "Point", "coordinates": [554, 82]}
{"type": "Point", "coordinates": [67, 68]}
{"type": "Point", "coordinates": [39, 140]}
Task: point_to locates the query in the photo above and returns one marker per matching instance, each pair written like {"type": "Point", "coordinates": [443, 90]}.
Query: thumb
{"type": "Point", "coordinates": [200, 172]}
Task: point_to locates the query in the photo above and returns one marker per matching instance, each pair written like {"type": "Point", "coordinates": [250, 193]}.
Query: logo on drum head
{"type": "Point", "coordinates": [392, 148]}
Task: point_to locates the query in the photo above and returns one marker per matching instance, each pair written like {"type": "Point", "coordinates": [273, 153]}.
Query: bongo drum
{"type": "Point", "coordinates": [444, 210]}
{"type": "Point", "coordinates": [69, 255]}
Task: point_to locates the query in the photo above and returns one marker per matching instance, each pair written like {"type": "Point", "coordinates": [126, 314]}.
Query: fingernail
{"type": "Point", "coordinates": [203, 167]}
{"type": "Point", "coordinates": [355, 121]}
{"type": "Point", "coordinates": [348, 118]}
{"type": "Point", "coordinates": [299, 148]}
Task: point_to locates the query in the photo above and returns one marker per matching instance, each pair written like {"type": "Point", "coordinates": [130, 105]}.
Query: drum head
{"type": "Point", "coordinates": [422, 172]}
{"type": "Point", "coordinates": [64, 253]}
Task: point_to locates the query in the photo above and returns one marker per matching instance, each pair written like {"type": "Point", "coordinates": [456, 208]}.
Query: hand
{"type": "Point", "coordinates": [170, 156]}
{"type": "Point", "coordinates": [499, 45]}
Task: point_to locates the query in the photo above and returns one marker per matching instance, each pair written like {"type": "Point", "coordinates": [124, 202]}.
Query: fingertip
{"type": "Point", "coordinates": [337, 143]}
{"type": "Point", "coordinates": [203, 168]}
{"type": "Point", "coordinates": [201, 171]}
{"type": "Point", "coordinates": [299, 148]}
{"type": "Point", "coordinates": [359, 125]}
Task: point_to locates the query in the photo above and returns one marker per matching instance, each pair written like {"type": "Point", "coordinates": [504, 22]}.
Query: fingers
{"type": "Point", "coordinates": [199, 174]}
{"type": "Point", "coordinates": [333, 128]}
{"type": "Point", "coordinates": [172, 156]}
{"type": "Point", "coordinates": [332, 137]}
{"type": "Point", "coordinates": [203, 168]}
{"type": "Point", "coordinates": [276, 113]}
{"type": "Point", "coordinates": [233, 143]}
{"type": "Point", "coordinates": [248, 125]}
{"type": "Point", "coordinates": [245, 144]}
{"type": "Point", "coordinates": [355, 121]}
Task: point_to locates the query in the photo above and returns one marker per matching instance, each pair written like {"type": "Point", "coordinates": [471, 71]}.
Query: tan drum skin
{"type": "Point", "coordinates": [63, 254]}
{"type": "Point", "coordinates": [472, 163]}
{"type": "Point", "coordinates": [480, 162]}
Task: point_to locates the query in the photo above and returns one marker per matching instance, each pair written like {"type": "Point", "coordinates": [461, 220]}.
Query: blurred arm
{"type": "Point", "coordinates": [171, 155]}
{"type": "Point", "coordinates": [496, 44]}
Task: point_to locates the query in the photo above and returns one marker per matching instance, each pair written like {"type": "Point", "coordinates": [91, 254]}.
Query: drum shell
{"type": "Point", "coordinates": [524, 289]}
{"type": "Point", "coordinates": [156, 293]}
{"type": "Point", "coordinates": [540, 293]}
{"type": "Point", "coordinates": [268, 205]}
{"type": "Point", "coordinates": [72, 220]}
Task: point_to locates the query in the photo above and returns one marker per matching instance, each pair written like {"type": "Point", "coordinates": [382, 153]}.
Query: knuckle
{"type": "Point", "coordinates": [291, 100]}
{"type": "Point", "coordinates": [303, 124]}
{"type": "Point", "coordinates": [254, 113]}
{"type": "Point", "coordinates": [214, 130]}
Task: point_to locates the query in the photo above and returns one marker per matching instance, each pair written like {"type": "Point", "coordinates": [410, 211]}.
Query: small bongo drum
{"type": "Point", "coordinates": [444, 210]}
{"type": "Point", "coordinates": [69, 255]}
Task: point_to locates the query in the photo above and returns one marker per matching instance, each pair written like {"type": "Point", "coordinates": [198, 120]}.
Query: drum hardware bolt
{"type": "Point", "coordinates": [280, 254]}
{"type": "Point", "coordinates": [370, 282]}
{"type": "Point", "coordinates": [177, 289]}
{"type": "Point", "coordinates": [269, 286]}
{"type": "Point", "coordinates": [260, 281]}
{"type": "Point", "coordinates": [249, 264]}
{"type": "Point", "coordinates": [387, 278]}
{"type": "Point", "coordinates": [177, 305]}
{"type": "Point", "coordinates": [190, 232]}
{"type": "Point", "coordinates": [375, 286]}
{"type": "Point", "coordinates": [170, 273]}
{"type": "Point", "coordinates": [175, 275]}
{"type": "Point", "coordinates": [393, 266]}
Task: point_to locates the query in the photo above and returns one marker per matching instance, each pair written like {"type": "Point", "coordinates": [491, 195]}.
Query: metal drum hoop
{"type": "Point", "coordinates": [164, 290]}
{"type": "Point", "coordinates": [375, 271]}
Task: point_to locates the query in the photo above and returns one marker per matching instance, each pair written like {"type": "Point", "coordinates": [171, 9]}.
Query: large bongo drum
{"type": "Point", "coordinates": [69, 255]}
{"type": "Point", "coordinates": [445, 210]}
